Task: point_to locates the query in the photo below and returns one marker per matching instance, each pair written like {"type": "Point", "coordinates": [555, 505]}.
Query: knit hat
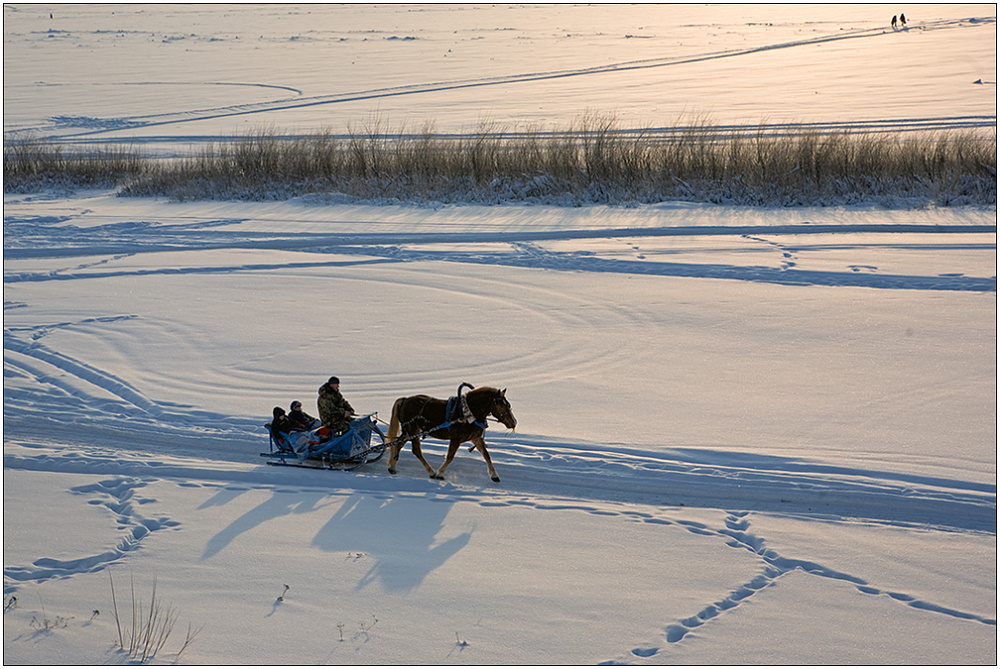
{"type": "Point", "coordinates": [334, 380]}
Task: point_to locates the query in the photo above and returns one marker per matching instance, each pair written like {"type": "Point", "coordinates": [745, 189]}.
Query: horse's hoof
{"type": "Point", "coordinates": [496, 479]}
{"type": "Point", "coordinates": [437, 477]}
{"type": "Point", "coordinates": [392, 471]}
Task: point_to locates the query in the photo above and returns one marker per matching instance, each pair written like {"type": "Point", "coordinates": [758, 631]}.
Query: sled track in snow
{"type": "Point", "coordinates": [107, 427]}
{"type": "Point", "coordinates": [73, 128]}
{"type": "Point", "coordinates": [546, 475]}
{"type": "Point", "coordinates": [44, 238]}
{"type": "Point", "coordinates": [130, 441]}
{"type": "Point", "coordinates": [535, 467]}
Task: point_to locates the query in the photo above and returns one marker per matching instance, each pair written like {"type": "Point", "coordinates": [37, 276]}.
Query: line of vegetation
{"type": "Point", "coordinates": [594, 163]}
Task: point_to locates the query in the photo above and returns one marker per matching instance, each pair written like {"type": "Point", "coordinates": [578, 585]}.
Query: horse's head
{"type": "Point", "coordinates": [486, 401]}
{"type": "Point", "coordinates": [501, 409]}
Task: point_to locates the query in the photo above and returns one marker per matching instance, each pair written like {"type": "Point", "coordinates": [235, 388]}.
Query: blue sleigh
{"type": "Point", "coordinates": [362, 443]}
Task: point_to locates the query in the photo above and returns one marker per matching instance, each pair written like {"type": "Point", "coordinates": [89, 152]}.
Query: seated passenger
{"type": "Point", "coordinates": [300, 420]}
{"type": "Point", "coordinates": [280, 427]}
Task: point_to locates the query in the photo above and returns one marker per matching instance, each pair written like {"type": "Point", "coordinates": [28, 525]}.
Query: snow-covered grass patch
{"type": "Point", "coordinates": [596, 162]}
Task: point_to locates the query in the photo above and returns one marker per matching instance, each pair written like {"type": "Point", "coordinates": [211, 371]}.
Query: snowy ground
{"type": "Point", "coordinates": [744, 435]}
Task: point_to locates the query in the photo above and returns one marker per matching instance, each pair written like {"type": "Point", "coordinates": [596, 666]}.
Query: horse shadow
{"type": "Point", "coordinates": [277, 506]}
{"type": "Point", "coordinates": [400, 536]}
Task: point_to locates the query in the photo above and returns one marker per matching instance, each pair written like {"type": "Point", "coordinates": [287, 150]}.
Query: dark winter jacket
{"type": "Point", "coordinates": [334, 410]}
{"type": "Point", "coordinates": [280, 426]}
{"type": "Point", "coordinates": [300, 420]}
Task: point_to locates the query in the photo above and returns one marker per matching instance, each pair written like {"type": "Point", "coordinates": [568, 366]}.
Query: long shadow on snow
{"type": "Point", "coordinates": [399, 534]}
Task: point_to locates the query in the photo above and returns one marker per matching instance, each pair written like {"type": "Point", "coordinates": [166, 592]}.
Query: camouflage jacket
{"type": "Point", "coordinates": [334, 410]}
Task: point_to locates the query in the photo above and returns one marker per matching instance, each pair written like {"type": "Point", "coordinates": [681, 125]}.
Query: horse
{"type": "Point", "coordinates": [421, 415]}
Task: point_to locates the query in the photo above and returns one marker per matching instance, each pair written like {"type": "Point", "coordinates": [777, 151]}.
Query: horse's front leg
{"type": "Point", "coordinates": [420, 456]}
{"type": "Point", "coordinates": [452, 449]}
{"type": "Point", "coordinates": [480, 444]}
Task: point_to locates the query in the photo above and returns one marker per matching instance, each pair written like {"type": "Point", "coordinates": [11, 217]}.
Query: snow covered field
{"type": "Point", "coordinates": [744, 435]}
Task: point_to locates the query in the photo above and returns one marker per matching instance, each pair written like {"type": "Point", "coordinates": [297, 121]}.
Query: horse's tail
{"type": "Point", "coordinates": [397, 407]}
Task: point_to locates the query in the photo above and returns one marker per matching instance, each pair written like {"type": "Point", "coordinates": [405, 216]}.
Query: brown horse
{"type": "Point", "coordinates": [414, 416]}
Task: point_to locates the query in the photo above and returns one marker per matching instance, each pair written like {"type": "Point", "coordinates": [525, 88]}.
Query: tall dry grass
{"type": "Point", "coordinates": [30, 163]}
{"type": "Point", "coordinates": [593, 162]}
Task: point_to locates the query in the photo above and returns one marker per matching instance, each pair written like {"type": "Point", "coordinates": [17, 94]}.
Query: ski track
{"type": "Point", "coordinates": [84, 127]}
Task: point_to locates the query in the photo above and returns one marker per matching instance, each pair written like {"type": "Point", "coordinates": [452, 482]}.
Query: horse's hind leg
{"type": "Point", "coordinates": [420, 456]}
{"type": "Point", "coordinates": [480, 444]}
{"type": "Point", "coordinates": [394, 456]}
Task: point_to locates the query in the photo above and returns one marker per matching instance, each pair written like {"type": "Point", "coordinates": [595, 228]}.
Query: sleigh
{"type": "Point", "coordinates": [363, 442]}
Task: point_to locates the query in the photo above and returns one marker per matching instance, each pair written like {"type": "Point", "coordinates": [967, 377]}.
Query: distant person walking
{"type": "Point", "coordinates": [893, 21]}
{"type": "Point", "coordinates": [902, 19]}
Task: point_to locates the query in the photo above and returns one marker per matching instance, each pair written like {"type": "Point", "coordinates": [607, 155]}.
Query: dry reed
{"type": "Point", "coordinates": [595, 162]}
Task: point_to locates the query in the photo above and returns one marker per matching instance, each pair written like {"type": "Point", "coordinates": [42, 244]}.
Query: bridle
{"type": "Point", "coordinates": [504, 410]}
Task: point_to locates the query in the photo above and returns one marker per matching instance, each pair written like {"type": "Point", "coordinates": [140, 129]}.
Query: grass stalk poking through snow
{"type": "Point", "coordinates": [151, 624]}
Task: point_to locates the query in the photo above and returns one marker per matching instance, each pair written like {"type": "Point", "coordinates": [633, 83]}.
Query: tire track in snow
{"type": "Point", "coordinates": [898, 125]}
{"type": "Point", "coordinates": [530, 306]}
{"type": "Point", "coordinates": [67, 399]}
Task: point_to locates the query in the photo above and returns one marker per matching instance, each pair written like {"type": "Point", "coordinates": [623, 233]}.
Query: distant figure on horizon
{"type": "Point", "coordinates": [902, 19]}
{"type": "Point", "coordinates": [893, 21]}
